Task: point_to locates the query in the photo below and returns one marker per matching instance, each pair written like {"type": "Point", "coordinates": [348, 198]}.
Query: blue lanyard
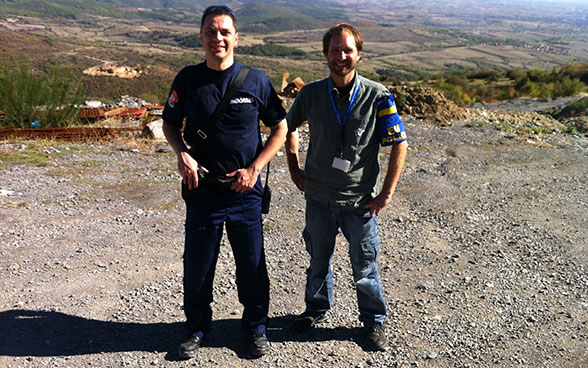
{"type": "Point", "coordinates": [351, 103]}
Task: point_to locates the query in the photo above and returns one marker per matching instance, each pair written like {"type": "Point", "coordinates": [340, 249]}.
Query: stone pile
{"type": "Point", "coordinates": [123, 101]}
{"type": "Point", "coordinates": [428, 104]}
{"type": "Point", "coordinates": [130, 101]}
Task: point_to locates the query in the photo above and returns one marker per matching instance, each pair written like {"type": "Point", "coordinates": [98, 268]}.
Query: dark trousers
{"type": "Point", "coordinates": [212, 208]}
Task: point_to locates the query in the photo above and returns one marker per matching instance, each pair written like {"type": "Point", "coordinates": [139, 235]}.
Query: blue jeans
{"type": "Point", "coordinates": [208, 213]}
{"type": "Point", "coordinates": [361, 231]}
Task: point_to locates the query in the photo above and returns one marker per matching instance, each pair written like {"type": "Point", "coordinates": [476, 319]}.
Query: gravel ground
{"type": "Point", "coordinates": [484, 260]}
{"type": "Point", "coordinates": [541, 105]}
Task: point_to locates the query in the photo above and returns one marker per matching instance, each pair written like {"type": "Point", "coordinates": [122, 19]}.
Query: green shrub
{"type": "Point", "coordinates": [567, 87]}
{"type": "Point", "coordinates": [486, 74]}
{"type": "Point", "coordinates": [190, 41]}
{"type": "Point", "coordinates": [456, 79]}
{"type": "Point", "coordinates": [271, 50]}
{"type": "Point", "coordinates": [514, 74]}
{"type": "Point", "coordinates": [571, 129]}
{"type": "Point", "coordinates": [26, 96]}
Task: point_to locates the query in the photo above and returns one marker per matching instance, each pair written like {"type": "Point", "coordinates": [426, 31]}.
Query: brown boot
{"type": "Point", "coordinates": [377, 337]}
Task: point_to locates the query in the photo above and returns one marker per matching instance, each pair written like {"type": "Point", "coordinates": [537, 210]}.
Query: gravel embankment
{"type": "Point", "coordinates": [484, 260]}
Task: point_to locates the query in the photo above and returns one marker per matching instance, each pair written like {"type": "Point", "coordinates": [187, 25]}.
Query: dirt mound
{"type": "Point", "coordinates": [114, 70]}
{"type": "Point", "coordinates": [426, 103]}
{"type": "Point", "coordinates": [430, 105]}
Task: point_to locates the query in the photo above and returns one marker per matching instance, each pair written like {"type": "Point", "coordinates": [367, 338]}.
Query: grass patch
{"type": "Point", "coordinates": [77, 168]}
{"type": "Point", "coordinates": [82, 180]}
{"type": "Point", "coordinates": [535, 130]}
{"type": "Point", "coordinates": [37, 152]}
{"type": "Point", "coordinates": [90, 164]}
{"type": "Point", "coordinates": [14, 205]}
{"type": "Point", "coordinates": [166, 206]}
{"type": "Point", "coordinates": [483, 123]}
{"type": "Point", "coordinates": [521, 162]}
{"type": "Point", "coordinates": [476, 123]}
{"type": "Point", "coordinates": [419, 148]}
{"type": "Point", "coordinates": [24, 157]}
{"type": "Point", "coordinates": [130, 185]}
{"type": "Point", "coordinates": [503, 126]}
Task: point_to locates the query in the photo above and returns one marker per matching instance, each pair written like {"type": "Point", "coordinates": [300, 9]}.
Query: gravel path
{"type": "Point", "coordinates": [484, 260]}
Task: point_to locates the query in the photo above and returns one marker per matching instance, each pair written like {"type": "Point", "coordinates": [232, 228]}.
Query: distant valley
{"type": "Point", "coordinates": [404, 39]}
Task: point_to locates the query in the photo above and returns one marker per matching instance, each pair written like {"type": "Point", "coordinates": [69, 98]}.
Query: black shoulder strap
{"type": "Point", "coordinates": [266, 185]}
{"type": "Point", "coordinates": [220, 108]}
{"type": "Point", "coordinates": [267, 175]}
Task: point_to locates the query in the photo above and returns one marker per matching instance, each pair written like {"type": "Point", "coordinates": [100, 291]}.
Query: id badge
{"type": "Point", "coordinates": [341, 164]}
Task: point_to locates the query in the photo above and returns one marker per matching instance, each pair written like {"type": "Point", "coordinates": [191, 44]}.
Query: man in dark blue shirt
{"type": "Point", "coordinates": [229, 192]}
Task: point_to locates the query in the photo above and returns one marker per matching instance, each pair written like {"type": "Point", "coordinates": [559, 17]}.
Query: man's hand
{"type": "Point", "coordinates": [375, 205]}
{"type": "Point", "coordinates": [245, 179]}
{"type": "Point", "coordinates": [395, 164]}
{"type": "Point", "coordinates": [297, 175]}
{"type": "Point", "coordinates": [188, 168]}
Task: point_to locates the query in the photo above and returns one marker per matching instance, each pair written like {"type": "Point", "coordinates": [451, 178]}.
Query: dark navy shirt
{"type": "Point", "coordinates": [234, 142]}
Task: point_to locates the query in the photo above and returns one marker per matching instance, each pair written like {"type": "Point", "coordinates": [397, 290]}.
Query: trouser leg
{"type": "Point", "coordinates": [361, 231]}
{"type": "Point", "coordinates": [319, 236]}
{"type": "Point", "coordinates": [201, 249]}
{"type": "Point", "coordinates": [245, 233]}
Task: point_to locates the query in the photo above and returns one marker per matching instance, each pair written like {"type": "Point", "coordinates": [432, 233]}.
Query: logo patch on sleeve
{"type": "Point", "coordinates": [241, 100]}
{"type": "Point", "coordinates": [173, 98]}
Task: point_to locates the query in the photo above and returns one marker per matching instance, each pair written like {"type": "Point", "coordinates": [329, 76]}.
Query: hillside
{"type": "Point", "coordinates": [267, 18]}
{"type": "Point", "coordinates": [57, 8]}
{"type": "Point", "coordinates": [402, 43]}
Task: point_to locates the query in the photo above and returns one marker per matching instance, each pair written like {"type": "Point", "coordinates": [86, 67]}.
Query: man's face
{"type": "Point", "coordinates": [342, 55]}
{"type": "Point", "coordinates": [218, 36]}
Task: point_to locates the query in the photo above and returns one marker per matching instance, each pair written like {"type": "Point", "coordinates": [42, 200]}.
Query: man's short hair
{"type": "Point", "coordinates": [340, 29]}
{"type": "Point", "coordinates": [218, 10]}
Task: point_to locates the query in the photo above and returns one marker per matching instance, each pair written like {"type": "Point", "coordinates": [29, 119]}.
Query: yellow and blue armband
{"type": "Point", "coordinates": [390, 127]}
